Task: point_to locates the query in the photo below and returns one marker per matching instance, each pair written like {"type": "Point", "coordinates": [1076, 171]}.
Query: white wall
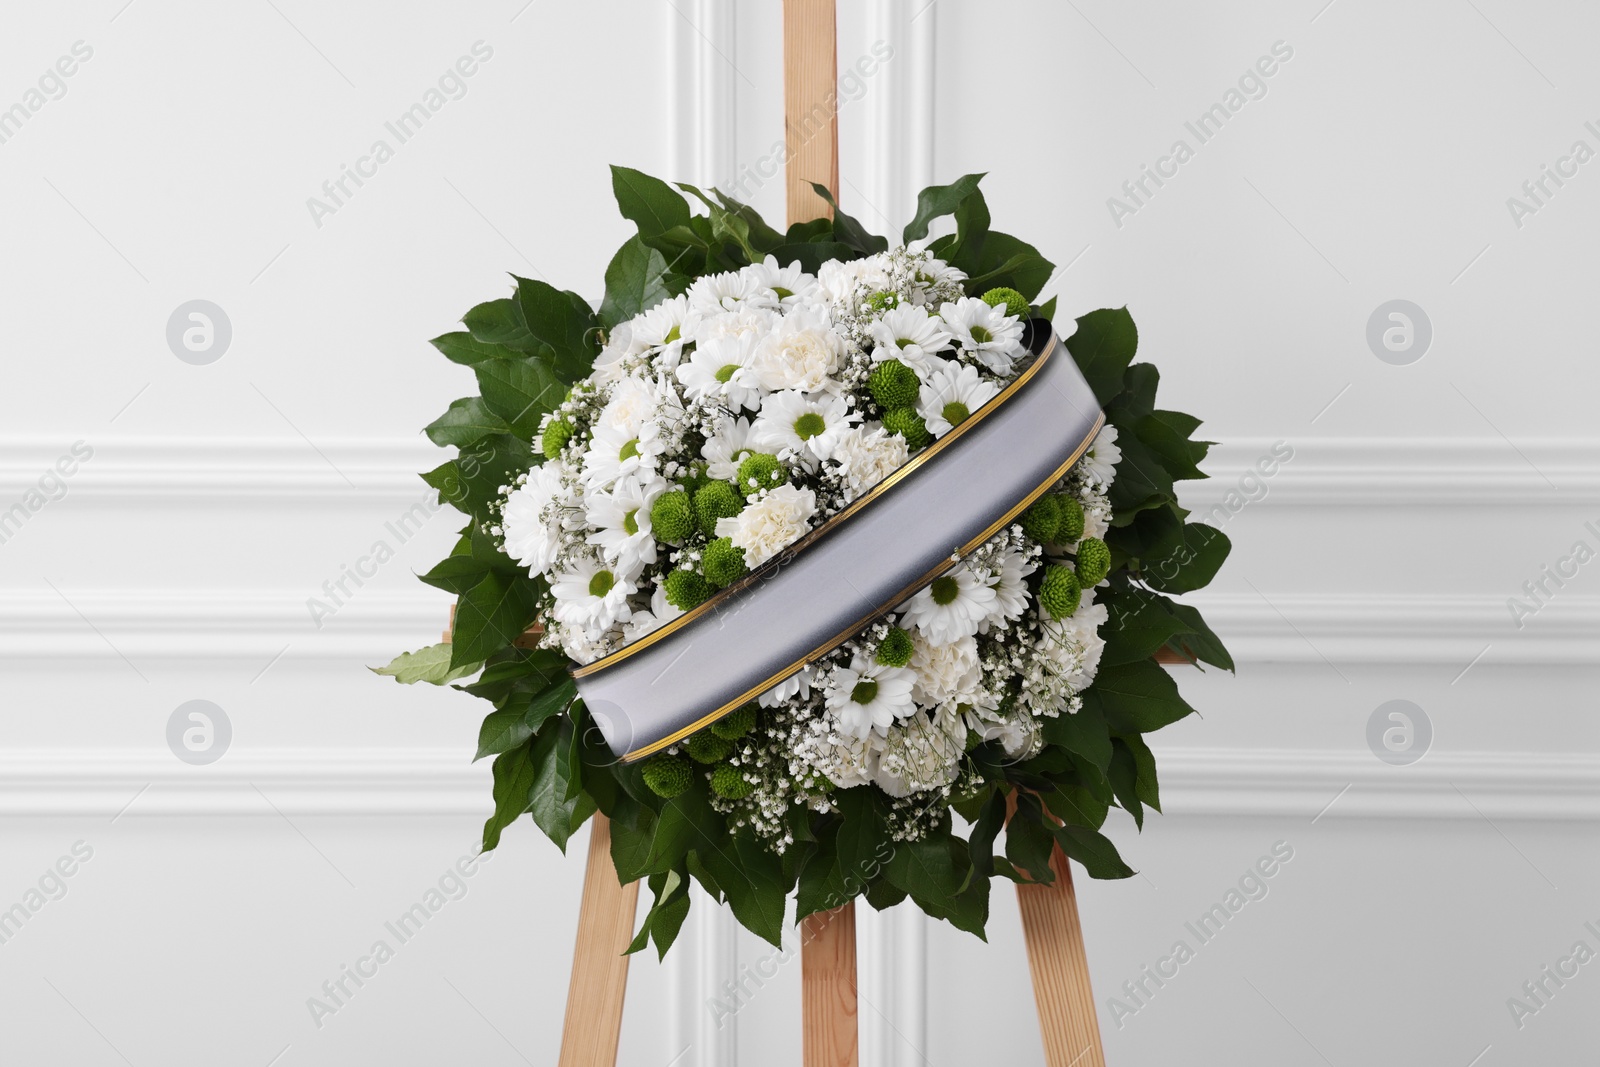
{"type": "Point", "coordinates": [1376, 566]}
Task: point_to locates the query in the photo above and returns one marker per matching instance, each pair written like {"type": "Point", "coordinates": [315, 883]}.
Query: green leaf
{"type": "Point", "coordinates": [1124, 778]}
{"type": "Point", "coordinates": [631, 845]}
{"type": "Point", "coordinates": [520, 391]}
{"type": "Point", "coordinates": [522, 716]}
{"type": "Point", "coordinates": [1199, 642]}
{"type": "Point", "coordinates": [762, 236]}
{"type": "Point", "coordinates": [1092, 849]}
{"type": "Point", "coordinates": [725, 225]}
{"type": "Point", "coordinates": [514, 773]}
{"type": "Point", "coordinates": [497, 322]}
{"type": "Point", "coordinates": [848, 231]}
{"type": "Point", "coordinates": [980, 843]}
{"type": "Point", "coordinates": [1138, 623]}
{"type": "Point", "coordinates": [562, 328]}
{"type": "Point", "coordinates": [548, 796]}
{"type": "Point", "coordinates": [1193, 565]}
{"type": "Point", "coordinates": [936, 201]}
{"type": "Point", "coordinates": [647, 202]}
{"type": "Point", "coordinates": [1103, 346]}
{"type": "Point", "coordinates": [490, 616]}
{"type": "Point", "coordinates": [1048, 309]}
{"type": "Point", "coordinates": [821, 887]}
{"type": "Point", "coordinates": [466, 421]}
{"type": "Point", "coordinates": [863, 831]}
{"type": "Point", "coordinates": [1144, 762]}
{"type": "Point", "coordinates": [1084, 733]}
{"type": "Point", "coordinates": [636, 281]}
{"type": "Point", "coordinates": [471, 482]}
{"type": "Point", "coordinates": [1029, 843]}
{"type": "Point", "coordinates": [752, 878]}
{"type": "Point", "coordinates": [1142, 481]}
{"type": "Point", "coordinates": [1166, 434]}
{"type": "Point", "coordinates": [432, 664]}
{"type": "Point", "coordinates": [1135, 698]}
{"type": "Point", "coordinates": [462, 347]}
{"type": "Point", "coordinates": [664, 913]}
{"type": "Point", "coordinates": [1012, 263]}
{"type": "Point", "coordinates": [928, 871]}
{"type": "Point", "coordinates": [456, 574]}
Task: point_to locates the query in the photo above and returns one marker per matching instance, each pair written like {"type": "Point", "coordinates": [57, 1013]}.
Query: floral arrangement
{"type": "Point", "coordinates": [736, 388]}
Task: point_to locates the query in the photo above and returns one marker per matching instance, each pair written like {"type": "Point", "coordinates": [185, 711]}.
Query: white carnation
{"type": "Point", "coordinates": [771, 524]}
{"type": "Point", "coordinates": [868, 456]}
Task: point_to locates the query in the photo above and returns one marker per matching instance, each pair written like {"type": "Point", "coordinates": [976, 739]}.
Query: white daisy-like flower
{"type": "Point", "coordinates": [1099, 464]}
{"type": "Point", "coordinates": [747, 321]}
{"type": "Point", "coordinates": [728, 447]}
{"type": "Point", "coordinates": [792, 285]}
{"type": "Point", "coordinates": [945, 674]}
{"type": "Point", "coordinates": [950, 607]}
{"type": "Point", "coordinates": [532, 534]}
{"type": "Point", "coordinates": [651, 619]}
{"type": "Point", "coordinates": [630, 406]}
{"type": "Point", "coordinates": [665, 329]}
{"type": "Point", "coordinates": [868, 697]}
{"type": "Point", "coordinates": [805, 427]}
{"type": "Point", "coordinates": [771, 524]}
{"type": "Point", "coordinates": [615, 453]}
{"type": "Point", "coordinates": [802, 352]}
{"type": "Point", "coordinates": [866, 456]}
{"type": "Point", "coordinates": [952, 391]}
{"type": "Point", "coordinates": [839, 281]}
{"type": "Point", "coordinates": [986, 333]}
{"type": "Point", "coordinates": [1008, 578]}
{"type": "Point", "coordinates": [911, 335]}
{"type": "Point", "coordinates": [590, 595]}
{"type": "Point", "coordinates": [621, 523]}
{"type": "Point", "coordinates": [720, 366]}
{"type": "Point", "coordinates": [620, 346]}
{"type": "Point", "coordinates": [730, 291]}
{"type": "Point", "coordinates": [797, 684]}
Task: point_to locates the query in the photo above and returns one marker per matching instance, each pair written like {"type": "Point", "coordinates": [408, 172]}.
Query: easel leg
{"type": "Point", "coordinates": [1067, 1019]}
{"type": "Point", "coordinates": [599, 970]}
{"type": "Point", "coordinates": [828, 982]}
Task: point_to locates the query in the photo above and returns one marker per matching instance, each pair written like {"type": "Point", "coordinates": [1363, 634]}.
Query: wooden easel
{"type": "Point", "coordinates": [1050, 923]}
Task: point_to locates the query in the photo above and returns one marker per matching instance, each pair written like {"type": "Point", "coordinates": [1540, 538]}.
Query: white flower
{"type": "Point", "coordinates": [745, 322]}
{"type": "Point", "coordinates": [950, 607]}
{"type": "Point", "coordinates": [608, 365]}
{"type": "Point", "coordinates": [791, 284]}
{"type": "Point", "coordinates": [730, 291]}
{"type": "Point", "coordinates": [658, 615]}
{"type": "Point", "coordinates": [1019, 735]}
{"type": "Point", "coordinates": [986, 333]}
{"type": "Point", "coordinates": [665, 328]}
{"type": "Point", "coordinates": [867, 456]}
{"type": "Point", "coordinates": [920, 754]}
{"type": "Point", "coordinates": [868, 696]}
{"type": "Point", "coordinates": [911, 335]}
{"type": "Point", "coordinates": [1099, 464]}
{"type": "Point", "coordinates": [621, 522]}
{"type": "Point", "coordinates": [614, 454]}
{"type": "Point", "coordinates": [848, 761]}
{"type": "Point", "coordinates": [802, 352]}
{"type": "Point", "coordinates": [725, 449]}
{"type": "Point", "coordinates": [838, 281]}
{"type": "Point", "coordinates": [797, 684]}
{"type": "Point", "coordinates": [591, 596]}
{"type": "Point", "coordinates": [533, 534]}
{"type": "Point", "coordinates": [946, 674]}
{"type": "Point", "coordinates": [720, 366]}
{"type": "Point", "coordinates": [771, 524]}
{"type": "Point", "coordinates": [808, 428]}
{"type": "Point", "coordinates": [581, 646]}
{"type": "Point", "coordinates": [950, 393]}
{"type": "Point", "coordinates": [1007, 578]}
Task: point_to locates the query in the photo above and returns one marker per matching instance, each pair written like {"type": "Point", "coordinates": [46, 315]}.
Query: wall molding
{"type": "Point", "coordinates": [1233, 782]}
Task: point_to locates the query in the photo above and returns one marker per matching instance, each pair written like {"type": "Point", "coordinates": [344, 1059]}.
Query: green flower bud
{"type": "Point", "coordinates": [728, 783]}
{"type": "Point", "coordinates": [1059, 592]}
{"type": "Point", "coordinates": [686, 590]}
{"type": "Point", "coordinates": [723, 563]}
{"type": "Point", "coordinates": [908, 424]}
{"type": "Point", "coordinates": [707, 747]}
{"type": "Point", "coordinates": [761, 471]}
{"type": "Point", "coordinates": [1094, 561]}
{"type": "Point", "coordinates": [1015, 302]}
{"type": "Point", "coordinates": [556, 436]}
{"type": "Point", "coordinates": [1071, 520]}
{"type": "Point", "coordinates": [895, 649]}
{"type": "Point", "coordinates": [671, 517]}
{"type": "Point", "coordinates": [1042, 521]}
{"type": "Point", "coordinates": [668, 776]}
{"type": "Point", "coordinates": [893, 384]}
{"type": "Point", "coordinates": [736, 723]}
{"type": "Point", "coordinates": [717, 500]}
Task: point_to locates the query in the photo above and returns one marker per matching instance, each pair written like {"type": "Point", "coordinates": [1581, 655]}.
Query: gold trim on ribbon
{"type": "Point", "coordinates": [834, 642]}
{"type": "Point", "coordinates": [832, 524]}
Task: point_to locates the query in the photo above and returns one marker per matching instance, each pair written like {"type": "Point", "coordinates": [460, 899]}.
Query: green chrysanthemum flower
{"type": "Point", "coordinates": [719, 500]}
{"type": "Point", "coordinates": [728, 783]}
{"type": "Point", "coordinates": [1042, 521]}
{"type": "Point", "coordinates": [723, 562]}
{"type": "Point", "coordinates": [893, 384]}
{"type": "Point", "coordinates": [707, 747]}
{"type": "Point", "coordinates": [761, 471]}
{"type": "Point", "coordinates": [686, 590]}
{"type": "Point", "coordinates": [736, 723]}
{"type": "Point", "coordinates": [1071, 520]}
{"type": "Point", "coordinates": [895, 649]}
{"type": "Point", "coordinates": [1015, 302]}
{"type": "Point", "coordinates": [1094, 561]}
{"type": "Point", "coordinates": [556, 436]}
{"type": "Point", "coordinates": [694, 479]}
{"type": "Point", "coordinates": [671, 517]}
{"type": "Point", "coordinates": [668, 776]}
{"type": "Point", "coordinates": [1059, 592]}
{"type": "Point", "coordinates": [908, 424]}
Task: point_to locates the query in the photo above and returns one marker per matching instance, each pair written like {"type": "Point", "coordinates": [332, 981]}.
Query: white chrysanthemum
{"type": "Point", "coordinates": [1099, 464]}
{"type": "Point", "coordinates": [745, 322]}
{"type": "Point", "coordinates": [839, 280]}
{"type": "Point", "coordinates": [730, 291]}
{"type": "Point", "coordinates": [797, 684]}
{"type": "Point", "coordinates": [911, 335]}
{"type": "Point", "coordinates": [866, 456]}
{"type": "Point", "coordinates": [771, 524]}
{"type": "Point", "coordinates": [665, 328]}
{"type": "Point", "coordinates": [946, 674]}
{"type": "Point", "coordinates": [868, 697]}
{"type": "Point", "coordinates": [952, 391]}
{"type": "Point", "coordinates": [950, 607]}
{"type": "Point", "coordinates": [792, 285]}
{"type": "Point", "coordinates": [656, 616]}
{"type": "Point", "coordinates": [725, 449]}
{"type": "Point", "coordinates": [621, 523]}
{"type": "Point", "coordinates": [802, 352]}
{"type": "Point", "coordinates": [630, 406]}
{"type": "Point", "coordinates": [532, 532]}
{"type": "Point", "coordinates": [847, 761]}
{"type": "Point", "coordinates": [614, 454]}
{"type": "Point", "coordinates": [986, 333]}
{"type": "Point", "coordinates": [920, 754]}
{"type": "Point", "coordinates": [808, 428]}
{"type": "Point", "coordinates": [591, 596]}
{"type": "Point", "coordinates": [1008, 578]}
{"type": "Point", "coordinates": [620, 345]}
{"type": "Point", "coordinates": [720, 366]}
